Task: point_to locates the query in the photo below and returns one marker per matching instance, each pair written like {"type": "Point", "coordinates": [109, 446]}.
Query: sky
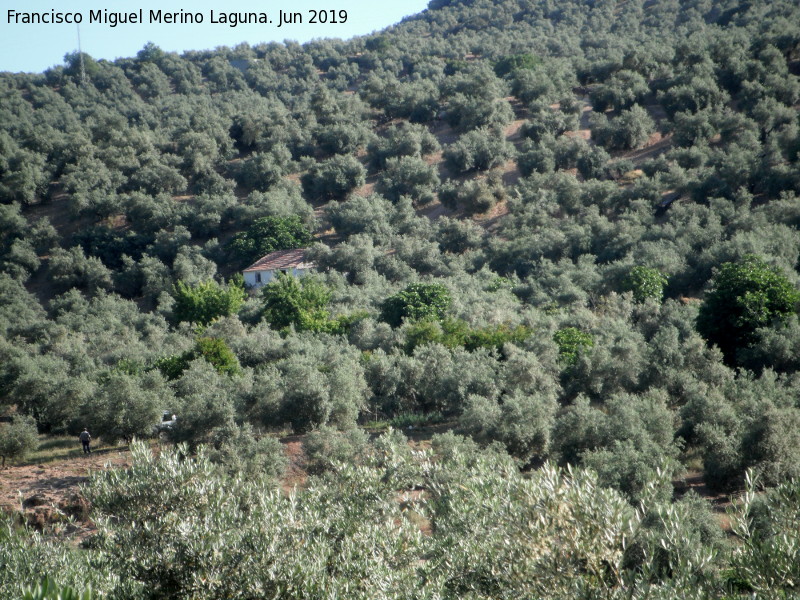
{"type": "Point", "coordinates": [36, 47]}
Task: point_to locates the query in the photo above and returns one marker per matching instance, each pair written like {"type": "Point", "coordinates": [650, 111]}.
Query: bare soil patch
{"type": "Point", "coordinates": [719, 502]}
{"type": "Point", "coordinates": [655, 146]}
{"type": "Point", "coordinates": [434, 210]}
{"type": "Point", "coordinates": [512, 130]}
{"type": "Point", "coordinates": [295, 476]}
{"type": "Point", "coordinates": [47, 494]}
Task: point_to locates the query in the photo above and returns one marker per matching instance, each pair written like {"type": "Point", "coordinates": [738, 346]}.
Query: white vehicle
{"type": "Point", "coordinates": [168, 421]}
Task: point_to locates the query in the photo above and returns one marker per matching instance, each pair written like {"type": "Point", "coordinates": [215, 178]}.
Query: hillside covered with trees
{"type": "Point", "coordinates": [567, 232]}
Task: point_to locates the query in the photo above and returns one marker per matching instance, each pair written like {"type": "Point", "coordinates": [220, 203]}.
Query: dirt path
{"type": "Point", "coordinates": [49, 493]}
{"type": "Point", "coordinates": [719, 502]}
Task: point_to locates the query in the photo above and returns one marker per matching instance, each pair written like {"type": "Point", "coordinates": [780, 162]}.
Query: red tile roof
{"type": "Point", "coordinates": [282, 259]}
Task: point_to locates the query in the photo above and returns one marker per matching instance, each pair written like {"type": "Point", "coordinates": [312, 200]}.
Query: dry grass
{"type": "Point", "coordinates": [54, 448]}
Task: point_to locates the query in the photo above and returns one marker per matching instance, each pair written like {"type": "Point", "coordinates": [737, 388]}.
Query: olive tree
{"type": "Point", "coordinates": [334, 178]}
{"type": "Point", "coordinates": [631, 129]}
{"type": "Point", "coordinates": [477, 150]}
{"type": "Point", "coordinates": [18, 438]}
{"type": "Point", "coordinates": [408, 176]}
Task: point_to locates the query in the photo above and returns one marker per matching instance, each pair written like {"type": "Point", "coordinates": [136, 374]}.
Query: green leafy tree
{"type": "Point", "coordinates": [418, 301]}
{"type": "Point", "coordinates": [269, 234]}
{"type": "Point", "coordinates": [296, 301]}
{"type": "Point", "coordinates": [744, 296]}
{"type": "Point", "coordinates": [217, 353]}
{"type": "Point", "coordinates": [645, 283]}
{"type": "Point", "coordinates": [213, 350]}
{"type": "Point", "coordinates": [18, 438]}
{"type": "Point", "coordinates": [206, 301]}
{"type": "Point", "coordinates": [571, 343]}
{"type": "Point", "coordinates": [455, 332]}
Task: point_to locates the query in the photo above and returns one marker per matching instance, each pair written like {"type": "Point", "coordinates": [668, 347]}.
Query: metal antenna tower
{"type": "Point", "coordinates": [80, 55]}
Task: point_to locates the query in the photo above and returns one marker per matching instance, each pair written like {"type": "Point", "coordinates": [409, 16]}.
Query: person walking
{"type": "Point", "coordinates": [85, 438]}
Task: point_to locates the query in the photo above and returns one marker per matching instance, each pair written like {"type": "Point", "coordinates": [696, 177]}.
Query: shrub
{"type": "Point", "coordinates": [620, 91]}
{"type": "Point", "coordinates": [407, 140]}
{"type": "Point", "coordinates": [773, 446]}
{"type": "Point", "coordinates": [765, 560]}
{"type": "Point", "coordinates": [628, 468]}
{"type": "Point", "coordinates": [592, 163]}
{"type": "Point", "coordinates": [238, 451]}
{"type": "Point", "coordinates": [546, 123]}
{"type": "Point", "coordinates": [476, 196]}
{"type": "Point", "coordinates": [71, 268]}
{"type": "Point", "coordinates": [471, 112]}
{"type": "Point", "coordinates": [48, 589]}
{"type": "Point", "coordinates": [521, 422]}
{"type": "Point", "coordinates": [127, 406]}
{"type": "Point", "coordinates": [341, 138]}
{"type": "Point", "coordinates": [261, 171]}
{"type": "Point", "coordinates": [536, 158]}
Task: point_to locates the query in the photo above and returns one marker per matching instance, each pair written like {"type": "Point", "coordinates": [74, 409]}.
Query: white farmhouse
{"type": "Point", "coordinates": [266, 268]}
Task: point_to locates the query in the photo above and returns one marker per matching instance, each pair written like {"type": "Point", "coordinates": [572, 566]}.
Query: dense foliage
{"type": "Point", "coordinates": [17, 438]}
{"type": "Point", "coordinates": [361, 530]}
{"type": "Point", "coordinates": [415, 302]}
{"type": "Point", "coordinates": [206, 301]}
{"type": "Point", "coordinates": [568, 230]}
{"type": "Point", "coordinates": [744, 297]}
{"type": "Point", "coordinates": [268, 234]}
